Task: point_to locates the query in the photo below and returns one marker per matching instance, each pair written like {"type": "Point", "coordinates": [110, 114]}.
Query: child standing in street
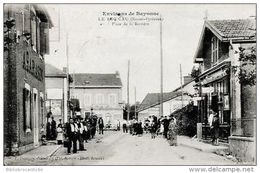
{"type": "Point", "coordinates": [59, 134]}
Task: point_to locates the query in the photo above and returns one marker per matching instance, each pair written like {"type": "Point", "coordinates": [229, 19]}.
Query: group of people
{"type": "Point", "coordinates": [75, 132]}
{"type": "Point", "coordinates": [133, 126]}
{"type": "Point", "coordinates": [167, 126]}
{"type": "Point", "coordinates": [79, 131]}
{"type": "Point", "coordinates": [51, 129]}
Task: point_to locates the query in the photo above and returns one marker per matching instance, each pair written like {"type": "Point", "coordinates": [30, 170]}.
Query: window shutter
{"type": "Point", "coordinates": [19, 24]}
{"type": "Point", "coordinates": [24, 108]}
{"type": "Point", "coordinates": [38, 35]}
{"type": "Point", "coordinates": [44, 38]}
{"type": "Point", "coordinates": [46, 31]}
{"type": "Point", "coordinates": [27, 21]}
{"type": "Point", "coordinates": [212, 50]}
{"type": "Point", "coordinates": [30, 118]}
{"type": "Point", "coordinates": [33, 31]}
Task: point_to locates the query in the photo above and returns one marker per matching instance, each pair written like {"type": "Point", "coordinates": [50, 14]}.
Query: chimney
{"type": "Point", "coordinates": [117, 74]}
{"type": "Point", "coordinates": [206, 15]}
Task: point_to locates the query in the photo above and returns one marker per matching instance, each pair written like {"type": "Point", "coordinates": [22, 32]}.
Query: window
{"type": "Point", "coordinates": [226, 86]}
{"type": "Point", "coordinates": [112, 99]}
{"type": "Point", "coordinates": [214, 50]}
{"type": "Point", "coordinates": [27, 107]}
{"type": "Point", "coordinates": [99, 99]}
{"type": "Point", "coordinates": [87, 100]}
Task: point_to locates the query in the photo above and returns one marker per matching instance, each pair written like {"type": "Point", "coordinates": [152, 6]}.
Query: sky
{"type": "Point", "coordinates": [100, 47]}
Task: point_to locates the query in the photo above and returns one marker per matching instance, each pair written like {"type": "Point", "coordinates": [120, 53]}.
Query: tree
{"type": "Point", "coordinates": [246, 71]}
{"type": "Point", "coordinates": [8, 25]}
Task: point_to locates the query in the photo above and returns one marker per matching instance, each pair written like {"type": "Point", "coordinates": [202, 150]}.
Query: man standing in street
{"type": "Point", "coordinates": [71, 136]}
{"type": "Point", "coordinates": [80, 134]}
{"type": "Point", "coordinates": [101, 125]}
{"type": "Point", "coordinates": [53, 129]}
{"type": "Point", "coordinates": [93, 126]}
{"type": "Point", "coordinates": [214, 126]}
{"type": "Point", "coordinates": [124, 126]}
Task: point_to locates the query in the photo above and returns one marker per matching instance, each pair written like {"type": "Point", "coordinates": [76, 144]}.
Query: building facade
{"type": "Point", "coordinates": [100, 92]}
{"type": "Point", "coordinates": [172, 101]}
{"type": "Point", "coordinates": [219, 86]}
{"type": "Point", "coordinates": [56, 83]}
{"type": "Point", "coordinates": [26, 42]}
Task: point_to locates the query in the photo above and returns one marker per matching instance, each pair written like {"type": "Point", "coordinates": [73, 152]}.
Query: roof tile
{"type": "Point", "coordinates": [235, 28]}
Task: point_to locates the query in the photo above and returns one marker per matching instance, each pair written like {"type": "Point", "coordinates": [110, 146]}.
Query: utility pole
{"type": "Point", "coordinates": [181, 87]}
{"type": "Point", "coordinates": [68, 80]}
{"type": "Point", "coordinates": [128, 104]}
{"type": "Point", "coordinates": [135, 105]}
{"type": "Point", "coordinates": [161, 58]}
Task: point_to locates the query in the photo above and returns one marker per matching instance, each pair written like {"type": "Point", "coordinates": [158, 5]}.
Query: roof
{"type": "Point", "coordinates": [52, 71]}
{"type": "Point", "coordinates": [95, 79]}
{"type": "Point", "coordinates": [241, 28]}
{"type": "Point", "coordinates": [237, 30]}
{"type": "Point", "coordinates": [182, 86]}
{"type": "Point", "coordinates": [153, 99]}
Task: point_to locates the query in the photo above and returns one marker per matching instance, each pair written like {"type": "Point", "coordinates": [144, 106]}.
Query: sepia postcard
{"type": "Point", "coordinates": [130, 84]}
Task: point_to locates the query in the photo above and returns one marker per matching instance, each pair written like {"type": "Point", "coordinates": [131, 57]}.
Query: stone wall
{"type": "Point", "coordinates": [243, 148]}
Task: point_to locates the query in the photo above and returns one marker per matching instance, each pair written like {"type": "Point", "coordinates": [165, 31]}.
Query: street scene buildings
{"type": "Point", "coordinates": [101, 93]}
{"type": "Point", "coordinates": [127, 85]}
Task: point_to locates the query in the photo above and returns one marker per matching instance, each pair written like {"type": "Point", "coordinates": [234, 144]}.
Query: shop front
{"type": "Point", "coordinates": [54, 104]}
{"type": "Point", "coordinates": [215, 94]}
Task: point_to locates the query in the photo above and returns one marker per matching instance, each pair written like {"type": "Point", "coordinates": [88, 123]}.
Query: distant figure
{"type": "Point", "coordinates": [153, 130]}
{"type": "Point", "coordinates": [88, 129]}
{"type": "Point", "coordinates": [139, 128]}
{"type": "Point", "coordinates": [101, 125]}
{"type": "Point", "coordinates": [48, 129]}
{"type": "Point", "coordinates": [85, 131]}
{"type": "Point", "coordinates": [124, 126]}
{"type": "Point", "coordinates": [172, 133]}
{"type": "Point", "coordinates": [118, 125]}
{"type": "Point", "coordinates": [131, 127]}
{"type": "Point", "coordinates": [146, 125]}
{"type": "Point", "coordinates": [93, 123]}
{"type": "Point", "coordinates": [135, 127]}
{"type": "Point", "coordinates": [165, 126]}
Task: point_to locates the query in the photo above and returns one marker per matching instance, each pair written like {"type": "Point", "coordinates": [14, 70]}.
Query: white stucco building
{"type": "Point", "coordinates": [102, 92]}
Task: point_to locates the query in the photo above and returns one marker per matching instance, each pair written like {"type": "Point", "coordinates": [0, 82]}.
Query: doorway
{"type": "Point", "coordinates": [35, 118]}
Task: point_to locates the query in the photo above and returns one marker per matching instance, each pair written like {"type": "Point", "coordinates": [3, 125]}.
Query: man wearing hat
{"type": "Point", "coordinates": [80, 134]}
{"type": "Point", "coordinates": [71, 135]}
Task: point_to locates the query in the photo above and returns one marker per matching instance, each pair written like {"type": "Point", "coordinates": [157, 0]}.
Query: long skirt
{"type": "Point", "coordinates": [172, 138]}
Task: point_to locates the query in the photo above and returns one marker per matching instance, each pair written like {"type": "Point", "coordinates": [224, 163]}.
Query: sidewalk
{"type": "Point", "coordinates": [42, 152]}
{"type": "Point", "coordinates": [201, 146]}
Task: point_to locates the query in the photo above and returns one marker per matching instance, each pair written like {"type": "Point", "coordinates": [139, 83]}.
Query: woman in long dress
{"type": "Point", "coordinates": [172, 133]}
